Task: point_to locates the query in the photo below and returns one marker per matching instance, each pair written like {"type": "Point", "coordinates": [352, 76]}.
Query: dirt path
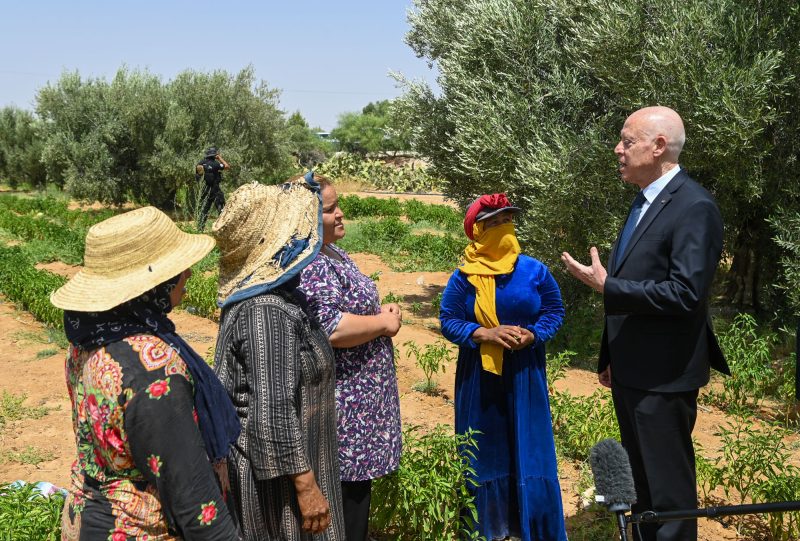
{"type": "Point", "coordinates": [32, 365]}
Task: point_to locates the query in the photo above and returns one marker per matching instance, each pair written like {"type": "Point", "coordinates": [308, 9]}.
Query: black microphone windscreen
{"type": "Point", "coordinates": [611, 468]}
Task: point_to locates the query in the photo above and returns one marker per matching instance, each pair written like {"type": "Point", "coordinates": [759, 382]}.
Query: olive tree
{"type": "Point", "coordinates": [136, 138]}
{"type": "Point", "coordinates": [533, 94]}
{"type": "Point", "coordinates": [20, 148]}
{"type": "Point", "coordinates": [374, 129]}
{"type": "Point", "coordinates": [308, 149]}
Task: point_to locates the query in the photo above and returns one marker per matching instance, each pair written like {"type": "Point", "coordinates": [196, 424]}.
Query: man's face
{"type": "Point", "coordinates": [637, 163]}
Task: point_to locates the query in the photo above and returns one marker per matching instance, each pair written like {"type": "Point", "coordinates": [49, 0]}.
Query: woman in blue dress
{"type": "Point", "coordinates": [500, 307]}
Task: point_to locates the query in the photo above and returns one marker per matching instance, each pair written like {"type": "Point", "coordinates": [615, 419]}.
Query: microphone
{"type": "Point", "coordinates": [613, 480]}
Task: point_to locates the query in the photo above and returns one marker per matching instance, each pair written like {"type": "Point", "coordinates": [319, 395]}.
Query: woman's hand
{"type": "Point", "coordinates": [314, 508]}
{"type": "Point", "coordinates": [391, 318]}
{"type": "Point", "coordinates": [511, 337]}
{"type": "Point", "coordinates": [354, 330]}
{"type": "Point", "coordinates": [526, 338]}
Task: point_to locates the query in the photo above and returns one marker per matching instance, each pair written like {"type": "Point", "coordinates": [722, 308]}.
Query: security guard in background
{"type": "Point", "coordinates": [210, 168]}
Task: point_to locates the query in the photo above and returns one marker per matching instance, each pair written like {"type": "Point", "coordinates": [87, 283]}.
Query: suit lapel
{"type": "Point", "coordinates": [658, 204]}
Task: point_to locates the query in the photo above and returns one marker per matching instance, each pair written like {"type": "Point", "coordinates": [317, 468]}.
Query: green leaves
{"type": "Point", "coordinates": [374, 129]}
{"type": "Point", "coordinates": [53, 232]}
{"type": "Point", "coordinates": [427, 497]}
{"type": "Point", "coordinates": [348, 166]}
{"type": "Point", "coordinates": [432, 359]}
{"type": "Point", "coordinates": [20, 148]}
{"type": "Point", "coordinates": [201, 293]}
{"type": "Point", "coordinates": [787, 235]}
{"type": "Point", "coordinates": [402, 248]}
{"type": "Point", "coordinates": [757, 372]}
{"type": "Point", "coordinates": [533, 95]}
{"type": "Point", "coordinates": [27, 514]}
{"type": "Point", "coordinates": [30, 287]}
{"type": "Point", "coordinates": [136, 138]}
{"type": "Point", "coordinates": [755, 465]}
{"type": "Point", "coordinates": [578, 421]}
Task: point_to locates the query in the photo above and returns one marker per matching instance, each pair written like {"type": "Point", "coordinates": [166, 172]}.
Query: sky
{"type": "Point", "coordinates": [326, 57]}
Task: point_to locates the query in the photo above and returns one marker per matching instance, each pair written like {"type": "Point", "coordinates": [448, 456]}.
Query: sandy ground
{"type": "Point", "coordinates": [33, 366]}
{"type": "Point", "coordinates": [41, 378]}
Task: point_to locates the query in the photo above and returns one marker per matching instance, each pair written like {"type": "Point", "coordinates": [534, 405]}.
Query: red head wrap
{"type": "Point", "coordinates": [491, 201]}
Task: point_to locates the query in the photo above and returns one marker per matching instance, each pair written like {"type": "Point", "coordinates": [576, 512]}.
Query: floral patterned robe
{"type": "Point", "coordinates": [367, 400]}
{"type": "Point", "coordinates": [142, 472]}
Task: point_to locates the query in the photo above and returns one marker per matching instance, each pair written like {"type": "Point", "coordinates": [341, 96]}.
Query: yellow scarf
{"type": "Point", "coordinates": [493, 252]}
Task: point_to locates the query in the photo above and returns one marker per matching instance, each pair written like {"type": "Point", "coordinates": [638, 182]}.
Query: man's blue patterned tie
{"type": "Point", "coordinates": [630, 226]}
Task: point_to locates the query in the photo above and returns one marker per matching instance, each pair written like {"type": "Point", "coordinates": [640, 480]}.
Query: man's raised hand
{"type": "Point", "coordinates": [593, 275]}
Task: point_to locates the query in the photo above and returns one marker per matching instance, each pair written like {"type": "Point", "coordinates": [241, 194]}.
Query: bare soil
{"type": "Point", "coordinates": [33, 366]}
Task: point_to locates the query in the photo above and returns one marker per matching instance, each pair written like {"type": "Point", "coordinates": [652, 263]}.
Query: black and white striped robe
{"type": "Point", "coordinates": [278, 369]}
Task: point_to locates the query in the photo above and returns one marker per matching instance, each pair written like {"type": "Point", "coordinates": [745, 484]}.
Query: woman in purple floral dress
{"type": "Point", "coordinates": [347, 305]}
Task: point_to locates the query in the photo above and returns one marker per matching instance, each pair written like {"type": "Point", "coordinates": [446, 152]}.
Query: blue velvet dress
{"type": "Point", "coordinates": [515, 463]}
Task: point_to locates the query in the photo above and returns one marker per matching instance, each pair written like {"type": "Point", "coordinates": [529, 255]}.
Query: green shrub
{"type": "Point", "coordinates": [395, 242]}
{"type": "Point", "coordinates": [201, 295]}
{"type": "Point", "coordinates": [578, 421]}
{"type": "Point", "coordinates": [29, 287]}
{"type": "Point", "coordinates": [52, 230]}
{"type": "Point", "coordinates": [24, 205]}
{"type": "Point", "coordinates": [557, 366]}
{"type": "Point", "coordinates": [709, 476]}
{"type": "Point", "coordinates": [755, 465]}
{"type": "Point", "coordinates": [26, 515]}
{"type": "Point", "coordinates": [581, 421]}
{"type": "Point", "coordinates": [427, 497]}
{"type": "Point", "coordinates": [442, 215]}
{"type": "Point", "coordinates": [432, 359]}
{"type": "Point", "coordinates": [67, 245]}
{"type": "Point", "coordinates": [348, 166]}
{"type": "Point", "coordinates": [431, 252]}
{"type": "Point", "coordinates": [354, 207]}
{"type": "Point", "coordinates": [754, 374]}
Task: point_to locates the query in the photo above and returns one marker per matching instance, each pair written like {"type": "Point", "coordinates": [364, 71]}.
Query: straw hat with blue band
{"type": "Point", "coordinates": [266, 236]}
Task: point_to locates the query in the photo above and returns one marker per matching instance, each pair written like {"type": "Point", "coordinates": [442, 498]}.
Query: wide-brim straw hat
{"type": "Point", "coordinates": [266, 235]}
{"type": "Point", "coordinates": [127, 255]}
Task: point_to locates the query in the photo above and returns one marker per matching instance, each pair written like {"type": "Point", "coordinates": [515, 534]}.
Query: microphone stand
{"type": "Point", "coordinates": [619, 509]}
{"type": "Point", "coordinates": [648, 517]}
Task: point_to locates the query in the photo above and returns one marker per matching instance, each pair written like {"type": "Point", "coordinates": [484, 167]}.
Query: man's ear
{"type": "Point", "coordinates": [659, 145]}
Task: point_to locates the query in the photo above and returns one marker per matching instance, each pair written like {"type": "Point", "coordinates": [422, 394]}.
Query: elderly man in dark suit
{"type": "Point", "coordinates": [658, 344]}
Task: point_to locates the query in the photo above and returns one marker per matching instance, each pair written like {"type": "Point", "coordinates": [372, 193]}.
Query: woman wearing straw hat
{"type": "Point", "coordinates": [500, 307]}
{"type": "Point", "coordinates": [277, 366]}
{"type": "Point", "coordinates": [148, 412]}
{"type": "Point", "coordinates": [347, 305]}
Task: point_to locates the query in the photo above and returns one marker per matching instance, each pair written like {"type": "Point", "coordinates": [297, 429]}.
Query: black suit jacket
{"type": "Point", "coordinates": [658, 334]}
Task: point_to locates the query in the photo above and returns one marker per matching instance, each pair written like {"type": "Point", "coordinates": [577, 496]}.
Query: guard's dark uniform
{"type": "Point", "coordinates": [212, 194]}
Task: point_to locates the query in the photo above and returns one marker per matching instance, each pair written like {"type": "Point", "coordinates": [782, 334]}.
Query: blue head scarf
{"type": "Point", "coordinates": [286, 255]}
